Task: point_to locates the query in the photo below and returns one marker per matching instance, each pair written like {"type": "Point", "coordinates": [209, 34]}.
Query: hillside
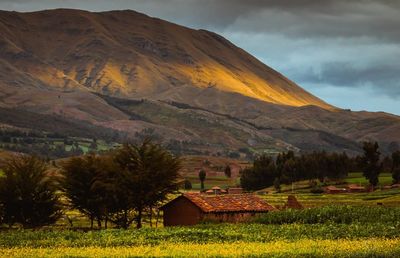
{"type": "Point", "coordinates": [121, 72]}
{"type": "Point", "coordinates": [130, 54]}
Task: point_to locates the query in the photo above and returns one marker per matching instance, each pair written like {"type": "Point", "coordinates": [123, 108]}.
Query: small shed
{"type": "Point", "coordinates": [356, 189]}
{"type": "Point", "coordinates": [192, 208]}
{"type": "Point", "coordinates": [216, 190]}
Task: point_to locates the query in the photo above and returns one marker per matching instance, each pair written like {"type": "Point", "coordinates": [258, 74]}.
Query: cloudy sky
{"type": "Point", "coordinates": [347, 52]}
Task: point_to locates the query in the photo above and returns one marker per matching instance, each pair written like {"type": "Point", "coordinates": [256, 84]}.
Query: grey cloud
{"type": "Point", "coordinates": [298, 18]}
{"type": "Point", "coordinates": [383, 79]}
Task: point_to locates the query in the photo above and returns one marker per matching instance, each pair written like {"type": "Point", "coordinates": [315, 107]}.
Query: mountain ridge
{"type": "Point", "coordinates": [71, 63]}
{"type": "Point", "coordinates": [189, 68]}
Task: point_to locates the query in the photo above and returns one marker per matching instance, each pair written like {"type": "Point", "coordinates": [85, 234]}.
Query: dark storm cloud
{"type": "Point", "coordinates": [343, 74]}
{"type": "Point", "coordinates": [327, 46]}
{"type": "Point", "coordinates": [297, 18]}
{"type": "Point", "coordinates": [294, 18]}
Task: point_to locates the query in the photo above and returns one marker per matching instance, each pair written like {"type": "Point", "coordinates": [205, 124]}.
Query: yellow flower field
{"type": "Point", "coordinates": [372, 247]}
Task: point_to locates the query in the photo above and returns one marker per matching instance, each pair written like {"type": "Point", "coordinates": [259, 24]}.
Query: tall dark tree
{"type": "Point", "coordinates": [27, 193]}
{"type": "Point", "coordinates": [228, 171]}
{"type": "Point", "coordinates": [291, 171]}
{"type": "Point", "coordinates": [80, 183]}
{"type": "Point", "coordinates": [202, 178]}
{"type": "Point", "coordinates": [147, 173]}
{"type": "Point", "coordinates": [396, 167]}
{"type": "Point", "coordinates": [337, 165]}
{"type": "Point", "coordinates": [262, 174]}
{"type": "Point", "coordinates": [370, 161]}
{"type": "Point", "coordinates": [118, 199]}
{"type": "Point", "coordinates": [187, 184]}
{"type": "Point", "coordinates": [280, 163]}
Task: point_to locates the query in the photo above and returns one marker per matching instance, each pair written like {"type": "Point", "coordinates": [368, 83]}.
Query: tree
{"type": "Point", "coordinates": [290, 171]}
{"type": "Point", "coordinates": [277, 185]}
{"type": "Point", "coordinates": [280, 163]}
{"type": "Point", "coordinates": [147, 173]}
{"type": "Point", "coordinates": [118, 204]}
{"type": "Point", "coordinates": [93, 146]}
{"type": "Point", "coordinates": [337, 165]}
{"type": "Point", "coordinates": [262, 174]}
{"type": "Point", "coordinates": [81, 176]}
{"type": "Point", "coordinates": [228, 171]}
{"type": "Point", "coordinates": [396, 167]}
{"type": "Point", "coordinates": [371, 164]}
{"type": "Point", "coordinates": [27, 193]}
{"type": "Point", "coordinates": [393, 147]}
{"type": "Point", "coordinates": [187, 184]}
{"type": "Point", "coordinates": [234, 155]}
{"type": "Point", "coordinates": [202, 178]}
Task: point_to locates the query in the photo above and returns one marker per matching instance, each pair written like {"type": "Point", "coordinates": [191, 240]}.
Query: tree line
{"type": "Point", "coordinates": [287, 168]}
{"type": "Point", "coordinates": [117, 187]}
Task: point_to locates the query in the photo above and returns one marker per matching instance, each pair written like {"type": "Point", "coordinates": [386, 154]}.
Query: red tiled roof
{"type": "Point", "coordinates": [356, 187]}
{"type": "Point", "coordinates": [229, 202]}
{"type": "Point", "coordinates": [332, 187]}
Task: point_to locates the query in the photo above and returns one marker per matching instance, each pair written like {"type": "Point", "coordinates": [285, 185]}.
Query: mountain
{"type": "Point", "coordinates": [126, 72]}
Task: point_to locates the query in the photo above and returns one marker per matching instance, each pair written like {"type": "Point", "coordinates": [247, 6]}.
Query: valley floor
{"type": "Point", "coordinates": [302, 248]}
{"type": "Point", "coordinates": [355, 226]}
{"type": "Point", "coordinates": [211, 240]}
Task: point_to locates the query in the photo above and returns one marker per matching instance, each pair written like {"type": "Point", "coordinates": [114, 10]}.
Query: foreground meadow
{"type": "Point", "coordinates": [294, 240]}
{"type": "Point", "coordinates": [302, 248]}
{"type": "Point", "coordinates": [334, 231]}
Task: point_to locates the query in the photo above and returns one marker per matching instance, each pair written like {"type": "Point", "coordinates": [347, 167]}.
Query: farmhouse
{"type": "Point", "coordinates": [356, 189]}
{"type": "Point", "coordinates": [334, 190]}
{"type": "Point", "coordinates": [192, 208]}
{"type": "Point", "coordinates": [216, 190]}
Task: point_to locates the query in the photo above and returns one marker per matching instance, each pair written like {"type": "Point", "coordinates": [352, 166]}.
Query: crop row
{"type": "Point", "coordinates": [202, 234]}
{"type": "Point", "coordinates": [302, 248]}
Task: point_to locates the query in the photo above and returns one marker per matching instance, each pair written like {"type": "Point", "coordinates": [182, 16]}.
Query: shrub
{"type": "Point", "coordinates": [317, 190]}
{"type": "Point", "coordinates": [28, 193]}
{"type": "Point", "coordinates": [332, 214]}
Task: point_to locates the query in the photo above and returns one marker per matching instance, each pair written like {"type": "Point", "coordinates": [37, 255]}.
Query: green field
{"type": "Point", "coordinates": [299, 187]}
{"type": "Point", "coordinates": [55, 147]}
{"type": "Point", "coordinates": [329, 240]}
{"type": "Point", "coordinates": [334, 231]}
{"type": "Point", "coordinates": [390, 197]}
{"type": "Point", "coordinates": [302, 248]}
{"type": "Point", "coordinates": [354, 227]}
{"type": "Point", "coordinates": [358, 178]}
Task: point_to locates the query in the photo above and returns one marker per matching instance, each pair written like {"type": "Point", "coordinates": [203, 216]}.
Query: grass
{"type": "Point", "coordinates": [358, 178]}
{"type": "Point", "coordinates": [335, 231]}
{"type": "Point", "coordinates": [221, 181]}
{"type": "Point", "coordinates": [390, 198]}
{"type": "Point", "coordinates": [329, 240]}
{"type": "Point", "coordinates": [354, 227]}
{"type": "Point", "coordinates": [341, 214]}
{"type": "Point", "coordinates": [303, 248]}
{"type": "Point", "coordinates": [202, 234]}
